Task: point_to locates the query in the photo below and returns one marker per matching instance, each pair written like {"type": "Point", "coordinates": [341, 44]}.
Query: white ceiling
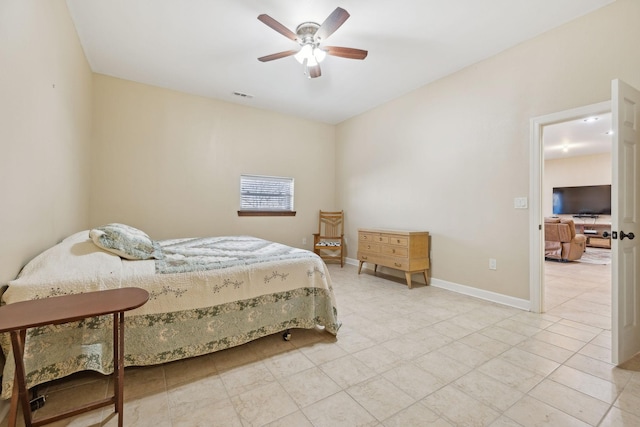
{"type": "Point", "coordinates": [579, 137]}
{"type": "Point", "coordinates": [210, 47]}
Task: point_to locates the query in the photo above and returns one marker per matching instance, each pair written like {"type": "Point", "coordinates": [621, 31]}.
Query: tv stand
{"type": "Point", "coordinates": [594, 234]}
{"type": "Point", "coordinates": [594, 216]}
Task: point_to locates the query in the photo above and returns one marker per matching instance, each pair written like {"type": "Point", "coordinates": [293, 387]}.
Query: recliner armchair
{"type": "Point", "coordinates": [561, 241]}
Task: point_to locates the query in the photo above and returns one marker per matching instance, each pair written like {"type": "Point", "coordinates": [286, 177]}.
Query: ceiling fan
{"type": "Point", "coordinates": [310, 35]}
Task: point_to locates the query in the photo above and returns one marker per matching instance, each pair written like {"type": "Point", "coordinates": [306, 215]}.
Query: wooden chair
{"type": "Point", "coordinates": [328, 242]}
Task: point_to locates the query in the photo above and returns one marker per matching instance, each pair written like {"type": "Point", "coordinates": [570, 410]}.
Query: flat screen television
{"type": "Point", "coordinates": [583, 200]}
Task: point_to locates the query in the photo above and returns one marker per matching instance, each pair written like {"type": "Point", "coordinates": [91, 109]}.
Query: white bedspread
{"type": "Point", "coordinates": [188, 313]}
{"type": "Point", "coordinates": [77, 265]}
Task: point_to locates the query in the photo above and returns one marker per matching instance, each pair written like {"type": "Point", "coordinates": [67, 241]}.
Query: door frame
{"type": "Point", "coordinates": [536, 175]}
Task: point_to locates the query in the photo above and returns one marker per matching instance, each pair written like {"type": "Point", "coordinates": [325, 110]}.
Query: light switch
{"type": "Point", "coordinates": [520, 203]}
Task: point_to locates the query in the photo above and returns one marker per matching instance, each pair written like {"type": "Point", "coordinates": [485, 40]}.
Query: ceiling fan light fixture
{"type": "Point", "coordinates": [305, 52]}
{"type": "Point", "coordinates": [312, 54]}
{"type": "Point", "coordinates": [309, 35]}
{"type": "Point", "coordinates": [319, 54]}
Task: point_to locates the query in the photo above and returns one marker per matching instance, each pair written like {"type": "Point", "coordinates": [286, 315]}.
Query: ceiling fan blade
{"type": "Point", "coordinates": [270, 22]}
{"type": "Point", "coordinates": [277, 55]}
{"type": "Point", "coordinates": [332, 23]}
{"type": "Point", "coordinates": [314, 71]}
{"type": "Point", "coordinates": [346, 52]}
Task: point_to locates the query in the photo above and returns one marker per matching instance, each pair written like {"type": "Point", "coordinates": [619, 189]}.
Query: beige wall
{"type": "Point", "coordinates": [451, 156]}
{"type": "Point", "coordinates": [170, 163]}
{"type": "Point", "coordinates": [45, 119]}
{"type": "Point", "coordinates": [574, 171]}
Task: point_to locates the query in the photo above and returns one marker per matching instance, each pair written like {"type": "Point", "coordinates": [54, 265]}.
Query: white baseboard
{"type": "Point", "coordinates": [471, 291]}
{"type": "Point", "coordinates": [482, 294]}
{"type": "Point", "coordinates": [351, 261]}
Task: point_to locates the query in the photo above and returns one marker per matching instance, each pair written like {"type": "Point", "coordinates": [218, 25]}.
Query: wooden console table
{"type": "Point", "coordinates": [16, 318]}
{"type": "Point", "coordinates": [407, 251]}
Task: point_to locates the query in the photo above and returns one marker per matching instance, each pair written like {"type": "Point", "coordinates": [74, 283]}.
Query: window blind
{"type": "Point", "coordinates": [266, 193]}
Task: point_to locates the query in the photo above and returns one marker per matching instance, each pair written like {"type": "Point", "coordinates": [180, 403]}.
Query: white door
{"type": "Point", "coordinates": [625, 309]}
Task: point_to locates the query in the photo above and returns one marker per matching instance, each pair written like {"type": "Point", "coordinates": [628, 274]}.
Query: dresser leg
{"type": "Point", "coordinates": [360, 268]}
{"type": "Point", "coordinates": [408, 276]}
{"type": "Point", "coordinates": [426, 279]}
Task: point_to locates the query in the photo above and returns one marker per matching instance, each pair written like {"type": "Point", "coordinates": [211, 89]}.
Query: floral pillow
{"type": "Point", "coordinates": [125, 241]}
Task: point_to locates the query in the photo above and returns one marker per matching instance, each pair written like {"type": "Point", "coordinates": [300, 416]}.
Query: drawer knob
{"type": "Point", "coordinates": [364, 237]}
{"type": "Point", "coordinates": [397, 264]}
{"type": "Point", "coordinates": [394, 251]}
{"type": "Point", "coordinates": [368, 246]}
{"type": "Point", "coordinates": [364, 257]}
{"type": "Point", "coordinates": [398, 240]}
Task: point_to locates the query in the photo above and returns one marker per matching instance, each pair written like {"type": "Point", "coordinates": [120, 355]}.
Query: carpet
{"type": "Point", "coordinates": [596, 256]}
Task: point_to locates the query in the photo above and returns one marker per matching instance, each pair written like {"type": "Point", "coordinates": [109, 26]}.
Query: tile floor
{"type": "Point", "coordinates": [420, 357]}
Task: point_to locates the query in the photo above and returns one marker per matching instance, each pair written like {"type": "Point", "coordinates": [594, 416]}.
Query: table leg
{"type": "Point", "coordinates": [13, 408]}
{"type": "Point", "coordinates": [18, 339]}
{"type": "Point", "coordinates": [121, 371]}
{"type": "Point", "coordinates": [116, 359]}
{"type": "Point", "coordinates": [118, 364]}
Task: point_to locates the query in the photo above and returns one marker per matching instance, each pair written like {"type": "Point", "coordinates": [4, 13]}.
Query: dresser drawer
{"type": "Point", "coordinates": [381, 239]}
{"type": "Point", "coordinates": [373, 248]}
{"type": "Point", "coordinates": [369, 257]}
{"type": "Point", "coordinates": [372, 237]}
{"type": "Point", "coordinates": [365, 237]}
{"type": "Point", "coordinates": [396, 251]}
{"type": "Point", "coordinates": [398, 263]}
{"type": "Point", "coordinates": [399, 241]}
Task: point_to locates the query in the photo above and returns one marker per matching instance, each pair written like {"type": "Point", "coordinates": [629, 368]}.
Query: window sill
{"type": "Point", "coordinates": [266, 213]}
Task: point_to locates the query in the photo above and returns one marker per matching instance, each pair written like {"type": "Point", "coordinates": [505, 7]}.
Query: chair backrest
{"type": "Point", "coordinates": [331, 224]}
{"type": "Point", "coordinates": [557, 230]}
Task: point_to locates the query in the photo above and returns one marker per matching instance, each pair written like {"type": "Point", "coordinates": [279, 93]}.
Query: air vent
{"type": "Point", "coordinates": [243, 95]}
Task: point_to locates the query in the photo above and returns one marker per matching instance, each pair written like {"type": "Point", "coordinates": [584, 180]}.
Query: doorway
{"type": "Point", "coordinates": [537, 192]}
{"type": "Point", "coordinates": [625, 214]}
{"type": "Point", "coordinates": [576, 187]}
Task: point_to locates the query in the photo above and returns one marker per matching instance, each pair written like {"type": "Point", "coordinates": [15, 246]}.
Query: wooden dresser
{"type": "Point", "coordinates": [407, 251]}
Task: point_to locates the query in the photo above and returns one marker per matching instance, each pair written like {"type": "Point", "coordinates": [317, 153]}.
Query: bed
{"type": "Point", "coordinates": [206, 294]}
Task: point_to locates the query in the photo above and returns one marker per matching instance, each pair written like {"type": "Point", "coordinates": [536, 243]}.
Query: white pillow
{"type": "Point", "coordinates": [125, 241]}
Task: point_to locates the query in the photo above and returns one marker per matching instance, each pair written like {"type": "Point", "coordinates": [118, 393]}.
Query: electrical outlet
{"type": "Point", "coordinates": [304, 240]}
{"type": "Point", "coordinates": [493, 265]}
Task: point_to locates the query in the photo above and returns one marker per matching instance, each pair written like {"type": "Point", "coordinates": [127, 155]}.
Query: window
{"type": "Point", "coordinates": [266, 196]}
